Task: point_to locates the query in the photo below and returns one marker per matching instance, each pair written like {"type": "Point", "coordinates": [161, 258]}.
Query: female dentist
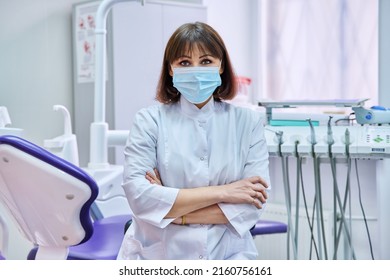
{"type": "Point", "coordinates": [196, 168]}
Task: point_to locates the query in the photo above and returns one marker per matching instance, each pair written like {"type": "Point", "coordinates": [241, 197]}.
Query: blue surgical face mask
{"type": "Point", "coordinates": [196, 84]}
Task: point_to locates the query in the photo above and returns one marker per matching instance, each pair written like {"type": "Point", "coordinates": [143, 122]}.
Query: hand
{"type": "Point", "coordinates": [154, 178]}
{"type": "Point", "coordinates": [249, 190]}
{"type": "Point", "coordinates": [177, 221]}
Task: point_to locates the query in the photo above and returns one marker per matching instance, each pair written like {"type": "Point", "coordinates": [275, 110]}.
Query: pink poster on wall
{"type": "Point", "coordinates": [85, 41]}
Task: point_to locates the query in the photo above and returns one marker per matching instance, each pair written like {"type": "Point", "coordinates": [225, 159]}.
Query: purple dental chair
{"type": "Point", "coordinates": [268, 227]}
{"type": "Point", "coordinates": [50, 200]}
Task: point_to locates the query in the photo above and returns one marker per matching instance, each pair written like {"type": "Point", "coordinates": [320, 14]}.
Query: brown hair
{"type": "Point", "coordinates": [181, 42]}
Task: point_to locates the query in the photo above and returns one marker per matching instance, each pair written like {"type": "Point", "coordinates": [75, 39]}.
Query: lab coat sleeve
{"type": "Point", "coordinates": [149, 202]}
{"type": "Point", "coordinates": [242, 217]}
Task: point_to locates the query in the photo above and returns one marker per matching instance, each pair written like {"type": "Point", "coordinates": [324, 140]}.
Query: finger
{"type": "Point", "coordinates": [152, 178]}
{"type": "Point", "coordinates": [259, 191]}
{"type": "Point", "coordinates": [261, 197]}
{"type": "Point", "coordinates": [258, 179]}
{"type": "Point", "coordinates": [148, 178]}
{"type": "Point", "coordinates": [257, 203]}
{"type": "Point", "coordinates": [152, 181]}
{"type": "Point", "coordinates": [157, 173]}
{"type": "Point", "coordinates": [263, 192]}
{"type": "Point", "coordinates": [260, 188]}
{"type": "Point", "coordinates": [151, 175]}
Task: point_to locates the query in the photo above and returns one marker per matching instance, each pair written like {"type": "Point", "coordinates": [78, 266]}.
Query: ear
{"type": "Point", "coordinates": [221, 68]}
{"type": "Point", "coordinates": [170, 71]}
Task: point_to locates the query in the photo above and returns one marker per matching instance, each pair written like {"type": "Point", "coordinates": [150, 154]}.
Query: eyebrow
{"type": "Point", "coordinates": [184, 56]}
{"type": "Point", "coordinates": [187, 56]}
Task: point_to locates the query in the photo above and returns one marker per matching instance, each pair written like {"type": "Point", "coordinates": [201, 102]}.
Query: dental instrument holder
{"type": "Point", "coordinates": [375, 115]}
{"type": "Point", "coordinates": [330, 139]}
{"type": "Point", "coordinates": [64, 146]}
{"type": "Point", "coordinates": [313, 140]}
{"type": "Point", "coordinates": [269, 105]}
{"type": "Point", "coordinates": [279, 136]}
{"type": "Point", "coordinates": [274, 141]}
{"type": "Point", "coordinates": [305, 149]}
{"type": "Point", "coordinates": [323, 148]}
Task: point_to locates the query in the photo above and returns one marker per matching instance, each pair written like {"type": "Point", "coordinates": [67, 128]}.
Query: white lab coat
{"type": "Point", "coordinates": [215, 145]}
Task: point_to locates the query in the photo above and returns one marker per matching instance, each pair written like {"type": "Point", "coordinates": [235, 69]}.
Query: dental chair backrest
{"type": "Point", "coordinates": [48, 197]}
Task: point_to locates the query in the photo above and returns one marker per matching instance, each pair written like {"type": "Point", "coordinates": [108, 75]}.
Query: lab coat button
{"type": "Point", "coordinates": [200, 257]}
{"type": "Point", "coordinates": [202, 158]}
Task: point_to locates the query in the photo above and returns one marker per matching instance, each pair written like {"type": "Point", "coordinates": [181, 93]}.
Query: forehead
{"type": "Point", "coordinates": [193, 49]}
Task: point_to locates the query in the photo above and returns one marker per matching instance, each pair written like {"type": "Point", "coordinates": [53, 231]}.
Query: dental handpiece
{"type": "Point", "coordinates": [347, 141]}
{"type": "Point", "coordinates": [347, 138]}
{"type": "Point", "coordinates": [330, 132]}
{"type": "Point", "coordinates": [313, 134]}
{"type": "Point", "coordinates": [279, 135]}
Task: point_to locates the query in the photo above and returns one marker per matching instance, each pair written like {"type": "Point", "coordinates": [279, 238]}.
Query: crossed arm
{"type": "Point", "coordinates": [200, 205]}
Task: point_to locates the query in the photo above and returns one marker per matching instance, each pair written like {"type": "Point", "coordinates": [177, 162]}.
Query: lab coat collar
{"type": "Point", "coordinates": [192, 111]}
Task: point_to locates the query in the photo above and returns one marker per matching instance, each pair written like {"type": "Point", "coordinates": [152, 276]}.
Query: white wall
{"type": "Point", "coordinates": [36, 64]}
{"type": "Point", "coordinates": [384, 46]}
{"type": "Point", "coordinates": [237, 21]}
{"type": "Point", "coordinates": [233, 21]}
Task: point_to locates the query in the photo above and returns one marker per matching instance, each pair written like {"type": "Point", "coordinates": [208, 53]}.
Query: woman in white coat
{"type": "Point", "coordinates": [196, 168]}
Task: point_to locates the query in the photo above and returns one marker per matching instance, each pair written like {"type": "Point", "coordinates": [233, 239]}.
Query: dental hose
{"type": "Point", "coordinates": [318, 196]}
{"type": "Point", "coordinates": [347, 191]}
{"type": "Point", "coordinates": [297, 195]}
{"type": "Point", "coordinates": [343, 222]}
{"type": "Point", "coordinates": [320, 214]}
{"type": "Point", "coordinates": [363, 212]}
{"type": "Point", "coordinates": [310, 223]}
{"type": "Point", "coordinates": [290, 233]}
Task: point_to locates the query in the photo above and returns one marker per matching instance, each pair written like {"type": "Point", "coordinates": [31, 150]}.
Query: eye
{"type": "Point", "coordinates": [184, 63]}
{"type": "Point", "coordinates": [206, 61]}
